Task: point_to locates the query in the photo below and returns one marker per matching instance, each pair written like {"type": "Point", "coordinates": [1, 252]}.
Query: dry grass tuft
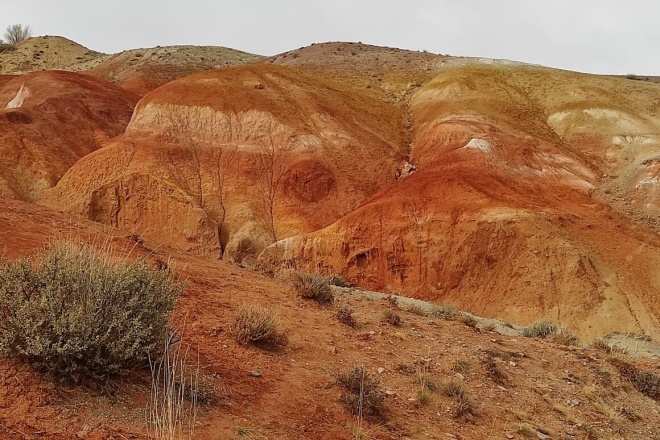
{"type": "Point", "coordinates": [645, 382]}
{"type": "Point", "coordinates": [345, 316]}
{"type": "Point", "coordinates": [461, 366]}
{"type": "Point", "coordinates": [494, 371]}
{"type": "Point", "coordinates": [361, 393]}
{"type": "Point", "coordinates": [463, 402]}
{"type": "Point", "coordinates": [313, 286]}
{"type": "Point", "coordinates": [258, 326]}
{"type": "Point", "coordinates": [392, 318]}
{"type": "Point", "coordinates": [541, 329]}
{"type": "Point", "coordinates": [446, 311]}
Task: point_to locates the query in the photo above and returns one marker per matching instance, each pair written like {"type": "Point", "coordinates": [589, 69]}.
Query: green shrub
{"type": "Point", "coordinates": [258, 326]}
{"type": "Point", "coordinates": [312, 286]}
{"type": "Point", "coordinates": [71, 312]}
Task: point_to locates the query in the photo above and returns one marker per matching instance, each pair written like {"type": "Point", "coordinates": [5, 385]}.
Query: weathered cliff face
{"type": "Point", "coordinates": [515, 191]}
{"type": "Point", "coordinates": [49, 120]}
{"type": "Point", "coordinates": [504, 214]}
{"type": "Point", "coordinates": [234, 159]}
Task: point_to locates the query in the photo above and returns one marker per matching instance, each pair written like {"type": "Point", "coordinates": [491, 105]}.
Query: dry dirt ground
{"type": "Point", "coordinates": [517, 387]}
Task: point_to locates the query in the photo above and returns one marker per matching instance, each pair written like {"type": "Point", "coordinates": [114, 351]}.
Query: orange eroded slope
{"type": "Point", "coordinates": [231, 159]}
{"type": "Point", "coordinates": [49, 120]}
{"type": "Point", "coordinates": [502, 215]}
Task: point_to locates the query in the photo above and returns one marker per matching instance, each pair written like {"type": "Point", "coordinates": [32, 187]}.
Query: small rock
{"type": "Point", "coordinates": [575, 402]}
{"type": "Point", "coordinates": [389, 392]}
{"type": "Point", "coordinates": [513, 364]}
{"type": "Point", "coordinates": [501, 388]}
{"type": "Point", "coordinates": [381, 370]}
{"type": "Point", "coordinates": [459, 376]}
{"type": "Point", "coordinates": [509, 436]}
{"type": "Point", "coordinates": [333, 350]}
{"type": "Point", "coordinates": [255, 373]}
{"type": "Point", "coordinates": [542, 436]}
{"type": "Point", "coordinates": [372, 332]}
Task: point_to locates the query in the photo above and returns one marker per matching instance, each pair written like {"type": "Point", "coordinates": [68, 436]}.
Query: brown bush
{"type": "Point", "coordinates": [258, 326]}
{"type": "Point", "coordinates": [312, 286]}
{"type": "Point", "coordinates": [361, 393]}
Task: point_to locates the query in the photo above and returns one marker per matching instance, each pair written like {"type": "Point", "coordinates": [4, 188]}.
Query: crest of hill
{"type": "Point", "coordinates": [137, 70]}
{"type": "Point", "coordinates": [143, 70]}
{"type": "Point", "coordinates": [391, 74]}
{"type": "Point", "coordinates": [45, 53]}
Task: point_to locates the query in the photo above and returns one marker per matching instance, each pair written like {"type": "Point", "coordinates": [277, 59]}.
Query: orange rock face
{"type": "Point", "coordinates": [514, 191]}
{"type": "Point", "coordinates": [502, 215]}
{"type": "Point", "coordinates": [49, 120]}
{"type": "Point", "coordinates": [231, 160]}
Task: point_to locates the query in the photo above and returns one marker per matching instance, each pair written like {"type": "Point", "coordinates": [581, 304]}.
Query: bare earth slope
{"type": "Point", "coordinates": [514, 191]}
{"type": "Point", "coordinates": [237, 158]}
{"type": "Point", "coordinates": [49, 120]}
{"type": "Point", "coordinates": [514, 388]}
{"type": "Point", "coordinates": [143, 70]}
{"type": "Point", "coordinates": [45, 53]}
{"type": "Point", "coordinates": [504, 214]}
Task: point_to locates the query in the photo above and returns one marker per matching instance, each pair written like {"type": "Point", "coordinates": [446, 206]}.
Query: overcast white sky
{"type": "Point", "coordinates": [599, 36]}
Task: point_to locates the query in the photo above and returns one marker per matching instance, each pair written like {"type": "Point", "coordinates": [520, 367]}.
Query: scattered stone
{"type": "Point", "coordinates": [542, 436]}
{"type": "Point", "coordinates": [255, 373]}
{"type": "Point", "coordinates": [381, 370]}
{"type": "Point", "coordinates": [575, 402]}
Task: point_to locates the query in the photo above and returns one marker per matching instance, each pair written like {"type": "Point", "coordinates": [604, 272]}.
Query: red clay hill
{"type": "Point", "coordinates": [49, 120]}
{"type": "Point", "coordinates": [511, 190]}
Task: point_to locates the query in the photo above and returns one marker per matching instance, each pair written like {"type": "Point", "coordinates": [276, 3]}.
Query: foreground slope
{"type": "Point", "coordinates": [515, 387]}
{"type": "Point", "coordinates": [49, 120]}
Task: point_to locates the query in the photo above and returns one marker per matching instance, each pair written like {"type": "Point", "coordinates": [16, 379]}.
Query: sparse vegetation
{"type": "Point", "coordinates": [541, 329]}
{"type": "Point", "coordinates": [645, 382]}
{"type": "Point", "coordinates": [72, 312]}
{"type": "Point", "coordinates": [461, 366]}
{"type": "Point", "coordinates": [463, 403]}
{"type": "Point", "coordinates": [416, 310]}
{"type": "Point", "coordinates": [494, 371]}
{"type": "Point", "coordinates": [444, 311]}
{"type": "Point", "coordinates": [345, 316]}
{"type": "Point", "coordinates": [16, 33]}
{"type": "Point", "coordinates": [173, 381]}
{"type": "Point", "coordinates": [258, 326]}
{"type": "Point", "coordinates": [564, 337]}
{"type": "Point", "coordinates": [392, 318]}
{"type": "Point", "coordinates": [313, 286]}
{"type": "Point", "coordinates": [361, 393]}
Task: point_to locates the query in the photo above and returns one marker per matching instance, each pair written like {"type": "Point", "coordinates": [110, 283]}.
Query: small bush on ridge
{"type": "Point", "coordinates": [73, 313]}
